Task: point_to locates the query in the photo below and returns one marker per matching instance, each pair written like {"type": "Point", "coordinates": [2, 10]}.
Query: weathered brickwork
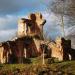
{"type": "Point", "coordinates": [29, 43]}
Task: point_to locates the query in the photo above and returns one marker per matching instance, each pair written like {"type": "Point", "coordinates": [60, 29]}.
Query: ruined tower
{"type": "Point", "coordinates": [21, 27]}
{"type": "Point", "coordinates": [33, 26]}
{"type": "Point", "coordinates": [38, 22]}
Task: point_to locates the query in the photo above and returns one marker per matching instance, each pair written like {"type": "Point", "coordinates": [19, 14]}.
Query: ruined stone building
{"type": "Point", "coordinates": [29, 43]}
{"type": "Point", "coordinates": [61, 49]}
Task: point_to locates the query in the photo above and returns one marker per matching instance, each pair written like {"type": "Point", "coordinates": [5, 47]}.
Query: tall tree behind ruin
{"type": "Point", "coordinates": [62, 7]}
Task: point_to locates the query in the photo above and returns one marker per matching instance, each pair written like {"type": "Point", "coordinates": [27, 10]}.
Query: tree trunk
{"type": "Point", "coordinates": [43, 58]}
{"type": "Point", "coordinates": [62, 25]}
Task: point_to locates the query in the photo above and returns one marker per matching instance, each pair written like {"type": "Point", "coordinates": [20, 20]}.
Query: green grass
{"type": "Point", "coordinates": [36, 67]}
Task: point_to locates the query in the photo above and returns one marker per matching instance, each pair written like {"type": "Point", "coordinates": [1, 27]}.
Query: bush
{"type": "Point", "coordinates": [27, 60]}
{"type": "Point", "coordinates": [52, 60]}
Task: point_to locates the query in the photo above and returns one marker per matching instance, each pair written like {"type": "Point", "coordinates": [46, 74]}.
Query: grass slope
{"type": "Point", "coordinates": [36, 68]}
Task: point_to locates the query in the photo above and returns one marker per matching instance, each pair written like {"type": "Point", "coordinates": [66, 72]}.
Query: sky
{"type": "Point", "coordinates": [12, 10]}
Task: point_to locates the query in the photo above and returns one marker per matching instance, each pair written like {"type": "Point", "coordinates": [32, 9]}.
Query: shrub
{"type": "Point", "coordinates": [27, 60]}
{"type": "Point", "coordinates": [50, 60]}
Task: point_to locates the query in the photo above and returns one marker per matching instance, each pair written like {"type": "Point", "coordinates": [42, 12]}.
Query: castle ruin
{"type": "Point", "coordinates": [29, 41]}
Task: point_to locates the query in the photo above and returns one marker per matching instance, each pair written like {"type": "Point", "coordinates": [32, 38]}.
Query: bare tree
{"type": "Point", "coordinates": [62, 7]}
{"type": "Point", "coordinates": [57, 7]}
{"type": "Point", "coordinates": [45, 39]}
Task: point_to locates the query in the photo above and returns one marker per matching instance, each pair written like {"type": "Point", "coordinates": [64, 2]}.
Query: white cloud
{"type": "Point", "coordinates": [7, 34]}
{"type": "Point", "coordinates": [8, 22]}
{"type": "Point", "coordinates": [52, 26]}
{"type": "Point", "coordinates": [8, 26]}
{"type": "Point", "coordinates": [70, 31]}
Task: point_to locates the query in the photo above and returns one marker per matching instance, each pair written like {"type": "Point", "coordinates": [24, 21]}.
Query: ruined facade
{"type": "Point", "coordinates": [56, 49]}
{"type": "Point", "coordinates": [61, 49]}
{"type": "Point", "coordinates": [29, 43]}
{"type": "Point", "coordinates": [33, 26]}
{"type": "Point", "coordinates": [28, 40]}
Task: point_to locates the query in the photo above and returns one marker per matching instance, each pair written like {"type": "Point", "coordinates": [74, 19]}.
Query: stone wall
{"type": "Point", "coordinates": [1, 54]}
{"type": "Point", "coordinates": [61, 49]}
{"type": "Point", "coordinates": [33, 26]}
{"type": "Point", "coordinates": [29, 41]}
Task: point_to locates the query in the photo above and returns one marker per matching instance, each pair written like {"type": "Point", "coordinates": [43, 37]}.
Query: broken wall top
{"type": "Point", "coordinates": [33, 17]}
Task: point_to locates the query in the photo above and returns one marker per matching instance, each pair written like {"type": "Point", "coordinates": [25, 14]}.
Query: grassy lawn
{"type": "Point", "coordinates": [36, 68]}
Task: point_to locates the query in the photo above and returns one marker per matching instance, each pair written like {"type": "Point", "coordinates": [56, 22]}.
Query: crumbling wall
{"type": "Point", "coordinates": [19, 48]}
{"type": "Point", "coordinates": [4, 51]}
{"type": "Point", "coordinates": [66, 45]}
{"type": "Point", "coordinates": [37, 23]}
{"type": "Point", "coordinates": [61, 49]}
{"type": "Point", "coordinates": [21, 28]}
{"type": "Point", "coordinates": [56, 51]}
{"type": "Point", "coordinates": [33, 26]}
{"type": "Point", "coordinates": [1, 54]}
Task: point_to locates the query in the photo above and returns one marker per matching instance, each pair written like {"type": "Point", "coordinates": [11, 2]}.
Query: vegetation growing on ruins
{"type": "Point", "coordinates": [36, 68]}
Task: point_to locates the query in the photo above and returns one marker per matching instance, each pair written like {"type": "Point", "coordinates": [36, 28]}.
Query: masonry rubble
{"type": "Point", "coordinates": [28, 42]}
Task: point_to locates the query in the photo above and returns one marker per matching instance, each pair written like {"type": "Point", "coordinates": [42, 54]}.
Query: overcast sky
{"type": "Point", "coordinates": [12, 10]}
